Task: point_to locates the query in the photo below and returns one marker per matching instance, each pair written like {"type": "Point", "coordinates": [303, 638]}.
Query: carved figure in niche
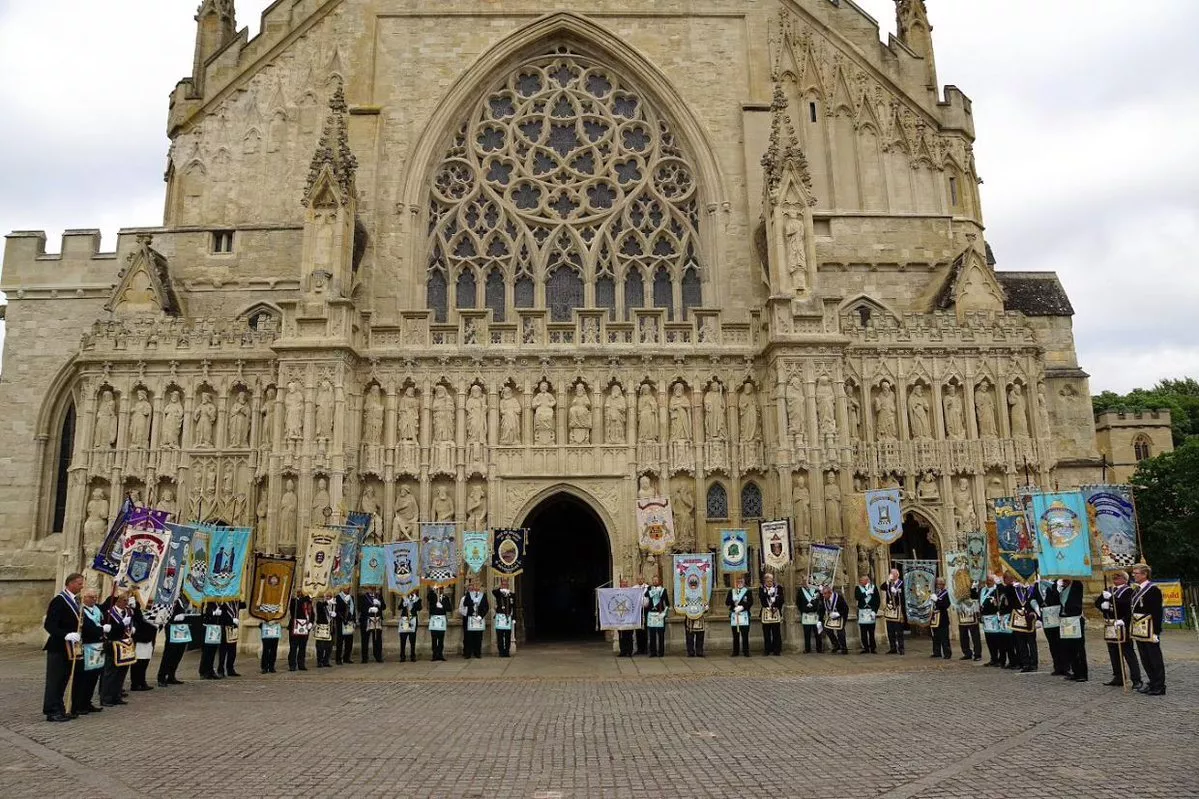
{"type": "Point", "coordinates": [854, 408]}
{"type": "Point", "coordinates": [172, 421]}
{"type": "Point", "coordinates": [443, 430]}
{"type": "Point", "coordinates": [266, 432]}
{"type": "Point", "coordinates": [166, 500]}
{"type": "Point", "coordinates": [646, 488]}
{"type": "Point", "coordinates": [647, 414]}
{"type": "Point", "coordinates": [105, 435]}
{"type": "Point", "coordinates": [404, 521]}
{"type": "Point", "coordinates": [510, 411]}
{"type": "Point", "coordinates": [707, 331]}
{"type": "Point", "coordinates": [543, 415]}
{"type": "Point", "coordinates": [885, 424]}
{"type": "Point", "coordinates": [368, 503]}
{"type": "Point", "coordinates": [408, 421]}
{"type": "Point", "coordinates": [683, 505]}
{"type": "Point", "coordinates": [321, 500]}
{"type": "Point", "coordinates": [239, 421]}
{"type": "Point", "coordinates": [826, 408]}
{"type": "Point", "coordinates": [139, 421]}
{"type": "Point", "coordinates": [324, 411]}
{"type": "Point", "coordinates": [529, 332]}
{"type": "Point", "coordinates": [984, 408]}
{"type": "Point", "coordinates": [262, 509]}
{"type": "Point", "coordinates": [927, 490]}
{"type": "Point", "coordinates": [288, 514]}
{"type": "Point", "coordinates": [715, 422]}
{"type": "Point", "coordinates": [1042, 410]}
{"type": "Point", "coordinates": [616, 411]}
{"type": "Point", "coordinates": [578, 419]}
{"type": "Point", "coordinates": [955, 423]}
{"type": "Point", "coordinates": [918, 416]}
{"type": "Point", "coordinates": [590, 330]}
{"type": "Point", "coordinates": [995, 489]}
{"type": "Point", "coordinates": [1019, 408]}
{"type": "Point", "coordinates": [832, 507]}
{"type": "Point", "coordinates": [470, 333]}
{"type": "Point", "coordinates": [476, 419]}
{"type": "Point", "coordinates": [476, 508]}
{"type": "Point", "coordinates": [793, 397]}
{"type": "Point", "coordinates": [649, 330]}
{"type": "Point", "coordinates": [964, 516]}
{"type": "Point", "coordinates": [95, 523]}
{"type": "Point", "coordinates": [680, 414]}
{"type": "Point", "coordinates": [863, 561]}
{"type": "Point", "coordinates": [748, 407]}
{"type": "Point", "coordinates": [372, 416]}
{"type": "Point", "coordinates": [204, 418]}
{"type": "Point", "coordinates": [293, 411]}
{"type": "Point", "coordinates": [443, 505]}
{"type": "Point", "coordinates": [797, 259]}
{"type": "Point", "coordinates": [801, 504]}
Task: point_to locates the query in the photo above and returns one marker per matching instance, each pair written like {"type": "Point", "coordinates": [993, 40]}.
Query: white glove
{"type": "Point", "coordinates": [133, 602]}
{"type": "Point", "coordinates": [819, 627]}
{"type": "Point", "coordinates": [216, 612]}
{"type": "Point", "coordinates": [375, 602]}
{"type": "Point", "coordinates": [72, 638]}
{"type": "Point", "coordinates": [1061, 584]}
{"type": "Point", "coordinates": [236, 623]}
{"type": "Point", "coordinates": [1119, 622]}
{"type": "Point", "coordinates": [834, 615]}
{"type": "Point", "coordinates": [178, 617]}
{"type": "Point", "coordinates": [1038, 624]}
{"type": "Point", "coordinates": [1107, 594]}
{"type": "Point", "coordinates": [1105, 606]}
{"type": "Point", "coordinates": [974, 585]}
{"type": "Point", "coordinates": [437, 605]}
{"type": "Point", "coordinates": [107, 628]}
{"type": "Point", "coordinates": [738, 609]}
{"type": "Point", "coordinates": [372, 611]}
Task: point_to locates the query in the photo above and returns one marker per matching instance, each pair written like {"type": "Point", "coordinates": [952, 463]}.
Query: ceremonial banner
{"type": "Point", "coordinates": [619, 608]}
{"type": "Point", "coordinates": [271, 586]}
{"type": "Point", "coordinates": [230, 547]}
{"type": "Point", "coordinates": [692, 584]}
{"type": "Point", "coordinates": [195, 573]}
{"type": "Point", "coordinates": [349, 543]}
{"type": "Point", "coordinates": [776, 542]}
{"type": "Point", "coordinates": [886, 518]}
{"type": "Point", "coordinates": [108, 556]}
{"type": "Point", "coordinates": [170, 576]}
{"type": "Point", "coordinates": [1113, 519]}
{"type": "Point", "coordinates": [822, 564]}
{"type": "Point", "coordinates": [976, 553]}
{"type": "Point", "coordinates": [734, 551]}
{"type": "Point", "coordinates": [655, 523]}
{"type": "Point", "coordinates": [1017, 553]}
{"type": "Point", "coordinates": [361, 520]}
{"type": "Point", "coordinates": [508, 554]}
{"type": "Point", "coordinates": [476, 546]}
{"type": "Point", "coordinates": [1063, 534]}
{"type": "Point", "coordinates": [318, 560]}
{"type": "Point", "coordinates": [919, 580]}
{"type": "Point", "coordinates": [141, 561]}
{"type": "Point", "coordinates": [402, 576]}
{"type": "Point", "coordinates": [958, 578]}
{"type": "Point", "coordinates": [373, 571]}
{"type": "Point", "coordinates": [438, 554]}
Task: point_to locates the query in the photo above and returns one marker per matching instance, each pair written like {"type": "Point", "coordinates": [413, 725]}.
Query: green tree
{"type": "Point", "coordinates": [1167, 496]}
{"type": "Point", "coordinates": [1180, 397]}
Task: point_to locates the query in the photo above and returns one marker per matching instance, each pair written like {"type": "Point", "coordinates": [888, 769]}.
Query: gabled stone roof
{"type": "Point", "coordinates": [1035, 293]}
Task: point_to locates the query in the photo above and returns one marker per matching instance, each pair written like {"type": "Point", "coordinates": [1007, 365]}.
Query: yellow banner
{"type": "Point", "coordinates": [1171, 593]}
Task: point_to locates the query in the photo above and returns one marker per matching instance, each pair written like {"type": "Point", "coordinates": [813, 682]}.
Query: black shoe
{"type": "Point", "coordinates": [265, 671]}
{"type": "Point", "coordinates": [1025, 670]}
{"type": "Point", "coordinates": [1079, 679]}
{"type": "Point", "coordinates": [58, 717]}
{"type": "Point", "coordinates": [301, 667]}
{"type": "Point", "coordinates": [864, 652]}
{"type": "Point", "coordinates": [966, 657]}
{"type": "Point", "coordinates": [232, 673]}
{"type": "Point", "coordinates": [1115, 683]}
{"type": "Point", "coordinates": [163, 684]}
{"type": "Point", "coordinates": [1155, 692]}
{"type": "Point", "coordinates": [1136, 686]}
{"type": "Point", "coordinates": [114, 702]}
{"type": "Point", "coordinates": [365, 661]}
{"type": "Point", "coordinates": [142, 688]}
{"type": "Point", "coordinates": [807, 651]}
{"type": "Point", "coordinates": [843, 652]}
{"type": "Point", "coordinates": [173, 681]}
{"type": "Point", "coordinates": [977, 658]}
{"type": "Point", "coordinates": [934, 655]}
{"type": "Point", "coordinates": [891, 652]}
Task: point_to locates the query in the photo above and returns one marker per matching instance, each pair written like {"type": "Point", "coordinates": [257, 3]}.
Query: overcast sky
{"type": "Point", "coordinates": [1087, 115]}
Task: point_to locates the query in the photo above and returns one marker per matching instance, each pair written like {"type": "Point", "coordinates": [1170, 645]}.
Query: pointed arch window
{"type": "Point", "coordinates": [693, 295]}
{"type": "Point", "coordinates": [751, 501]}
{"type": "Point", "coordinates": [495, 294]}
{"type": "Point", "coordinates": [717, 504]}
{"type": "Point", "coordinates": [664, 291]}
{"type": "Point", "coordinates": [466, 291]}
{"type": "Point", "coordinates": [634, 292]}
{"type": "Point", "coordinates": [1142, 448]}
{"type": "Point", "coordinates": [436, 295]}
{"type": "Point", "coordinates": [62, 466]}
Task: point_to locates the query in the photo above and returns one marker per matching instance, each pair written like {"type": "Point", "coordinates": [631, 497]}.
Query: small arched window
{"type": "Point", "coordinates": [1142, 448]}
{"type": "Point", "coordinates": [466, 290]}
{"type": "Point", "coordinates": [494, 291]}
{"type": "Point", "coordinates": [751, 501]}
{"type": "Point", "coordinates": [62, 466]}
{"type": "Point", "coordinates": [718, 502]}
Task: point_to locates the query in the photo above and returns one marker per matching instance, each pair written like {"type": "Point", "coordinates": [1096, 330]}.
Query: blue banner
{"type": "Point", "coordinates": [886, 517]}
{"type": "Point", "coordinates": [373, 571]}
{"type": "Point", "coordinates": [402, 559]}
{"type": "Point", "coordinates": [476, 549]}
{"type": "Point", "coordinates": [734, 551]}
{"type": "Point", "coordinates": [619, 608]}
{"type": "Point", "coordinates": [1063, 534]}
{"type": "Point", "coordinates": [692, 584]}
{"type": "Point", "coordinates": [195, 569]}
{"type": "Point", "coordinates": [439, 553]}
{"type": "Point", "coordinates": [919, 583]}
{"type": "Point", "coordinates": [174, 569]}
{"type": "Point", "coordinates": [229, 548]}
{"type": "Point", "coordinates": [1113, 519]}
{"type": "Point", "coordinates": [345, 556]}
{"type": "Point", "coordinates": [1017, 550]}
{"type": "Point", "coordinates": [108, 556]}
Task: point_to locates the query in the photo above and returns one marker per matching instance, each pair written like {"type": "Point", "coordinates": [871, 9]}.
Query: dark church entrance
{"type": "Point", "coordinates": [568, 558]}
{"type": "Point", "coordinates": [917, 541]}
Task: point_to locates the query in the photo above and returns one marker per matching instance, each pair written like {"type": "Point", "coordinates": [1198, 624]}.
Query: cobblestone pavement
{"type": "Point", "coordinates": [573, 721]}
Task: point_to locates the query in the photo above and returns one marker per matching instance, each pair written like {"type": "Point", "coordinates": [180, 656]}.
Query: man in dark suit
{"type": "Point", "coordinates": [144, 633]}
{"type": "Point", "coordinates": [343, 630]}
{"type": "Point", "coordinates": [439, 605]}
{"type": "Point", "coordinates": [940, 621]}
{"type": "Point", "coordinates": [895, 613]}
{"type": "Point", "coordinates": [1048, 597]}
{"type": "Point", "coordinates": [771, 598]}
{"type": "Point", "coordinates": [867, 598]}
{"type": "Point", "coordinates": [836, 609]}
{"type": "Point", "coordinates": [370, 620]}
{"type": "Point", "coordinates": [505, 612]}
{"type": "Point", "coordinates": [811, 611]}
{"type": "Point", "coordinates": [1074, 650]}
{"type": "Point", "coordinates": [1116, 606]}
{"type": "Point", "coordinates": [1146, 629]}
{"type": "Point", "coordinates": [474, 609]}
{"type": "Point", "coordinates": [172, 652]}
{"type": "Point", "coordinates": [62, 625]}
{"type": "Point", "coordinates": [230, 636]}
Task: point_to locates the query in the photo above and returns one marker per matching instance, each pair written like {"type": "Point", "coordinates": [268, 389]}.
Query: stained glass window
{"type": "Point", "coordinates": [718, 502]}
{"type": "Point", "coordinates": [466, 293]}
{"type": "Point", "coordinates": [495, 294]}
{"type": "Point", "coordinates": [751, 501]}
{"type": "Point", "coordinates": [634, 292]}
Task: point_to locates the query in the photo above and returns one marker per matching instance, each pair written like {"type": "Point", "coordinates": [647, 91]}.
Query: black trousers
{"type": "Point", "coordinates": [208, 655]}
{"type": "Point", "coordinates": [740, 640]}
{"type": "Point", "coordinates": [866, 633]}
{"type": "Point", "coordinates": [112, 681]}
{"type": "Point", "coordinates": [968, 638]}
{"type": "Point", "coordinates": [642, 635]}
{"type": "Point", "coordinates": [836, 639]}
{"type": "Point", "coordinates": [625, 639]}
{"type": "Point", "coordinates": [772, 637]}
{"type": "Point", "coordinates": [58, 672]}
{"type": "Point", "coordinates": [372, 644]}
{"type": "Point", "coordinates": [84, 689]}
{"type": "Point", "coordinates": [345, 648]}
{"type": "Point", "coordinates": [409, 640]}
{"type": "Point", "coordinates": [270, 652]}
{"type": "Point", "coordinates": [1074, 651]}
{"type": "Point", "coordinates": [1155, 667]}
{"type": "Point", "coordinates": [137, 673]}
{"type": "Point", "coordinates": [172, 655]}
{"type": "Point", "coordinates": [996, 648]}
{"type": "Point", "coordinates": [226, 658]}
{"type": "Point", "coordinates": [809, 633]}
{"type": "Point", "coordinates": [473, 642]}
{"type": "Point", "coordinates": [895, 636]}
{"type": "Point", "coordinates": [438, 639]}
{"type": "Point", "coordinates": [503, 642]}
{"type": "Point", "coordinates": [695, 643]}
{"type": "Point", "coordinates": [1130, 659]}
{"type": "Point", "coordinates": [657, 641]}
{"type": "Point", "coordinates": [941, 647]}
{"type": "Point", "coordinates": [1057, 650]}
{"type": "Point", "coordinates": [323, 650]}
{"type": "Point", "coordinates": [1026, 650]}
{"type": "Point", "coordinates": [297, 652]}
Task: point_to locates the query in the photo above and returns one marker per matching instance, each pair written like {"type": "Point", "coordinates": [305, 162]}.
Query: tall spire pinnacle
{"type": "Point", "coordinates": [914, 30]}
{"type": "Point", "coordinates": [216, 26]}
{"type": "Point", "coordinates": [784, 150]}
{"type": "Point", "coordinates": [333, 155]}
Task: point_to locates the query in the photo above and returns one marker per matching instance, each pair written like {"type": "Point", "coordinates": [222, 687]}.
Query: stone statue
{"type": "Point", "coordinates": [321, 500]}
{"type": "Point", "coordinates": [590, 330]}
{"type": "Point", "coordinates": [172, 421]}
{"type": "Point", "coordinates": [105, 434]}
{"type": "Point", "coordinates": [647, 414]}
{"type": "Point", "coordinates": [984, 408]}
{"type": "Point", "coordinates": [293, 412]}
{"type": "Point", "coordinates": [239, 422]}
{"type": "Point", "coordinates": [715, 421]}
{"type": "Point", "coordinates": [964, 517]}
{"type": "Point", "coordinates": [680, 414]}
{"type": "Point", "coordinates": [995, 489]}
{"type": "Point", "coordinates": [826, 408]}
{"type": "Point", "coordinates": [649, 330]}
{"type": "Point", "coordinates": [927, 491]}
{"type": "Point", "coordinates": [832, 507]}
{"type": "Point", "coordinates": [918, 418]}
{"type": "Point", "coordinates": [443, 505]}
{"type": "Point", "coordinates": [793, 396]}
{"type": "Point", "coordinates": [749, 418]}
{"type": "Point", "coordinates": [646, 488]}
{"type": "Point", "coordinates": [1042, 410]}
{"type": "Point", "coordinates": [139, 421]}
{"type": "Point", "coordinates": [324, 411]}
{"type": "Point", "coordinates": [289, 514]}
{"type": "Point", "coordinates": [854, 407]}
{"type": "Point", "coordinates": [797, 259]}
{"type": "Point", "coordinates": [404, 521]}
{"type": "Point", "coordinates": [801, 503]}
{"type": "Point", "coordinates": [544, 404]}
{"type": "Point", "coordinates": [470, 333]}
{"type": "Point", "coordinates": [443, 430]}
{"type": "Point", "coordinates": [204, 418]}
{"type": "Point", "coordinates": [476, 508]}
{"type": "Point", "coordinates": [266, 432]}
{"type": "Point", "coordinates": [510, 412]}
{"type": "Point", "coordinates": [166, 500]}
{"type": "Point", "coordinates": [408, 419]}
{"type": "Point", "coordinates": [476, 420]}
{"type": "Point", "coordinates": [95, 523]}
{"type": "Point", "coordinates": [368, 503]}
{"type": "Point", "coordinates": [372, 416]}
{"type": "Point", "coordinates": [885, 425]}
{"type": "Point", "coordinates": [1019, 409]}
{"type": "Point", "coordinates": [262, 509]}
{"type": "Point", "coordinates": [683, 505]}
{"type": "Point", "coordinates": [616, 410]}
{"type": "Point", "coordinates": [863, 561]}
{"type": "Point", "coordinates": [955, 425]}
{"type": "Point", "coordinates": [578, 419]}
{"type": "Point", "coordinates": [707, 331]}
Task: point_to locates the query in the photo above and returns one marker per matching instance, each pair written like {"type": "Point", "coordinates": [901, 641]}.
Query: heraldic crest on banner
{"type": "Point", "coordinates": [372, 572]}
{"type": "Point", "coordinates": [885, 515]}
{"type": "Point", "coordinates": [318, 560]}
{"type": "Point", "coordinates": [919, 581]}
{"type": "Point", "coordinates": [734, 551]}
{"type": "Point", "coordinates": [508, 552]}
{"type": "Point", "coordinates": [1017, 552]}
{"type": "Point", "coordinates": [776, 543]}
{"type": "Point", "coordinates": [1112, 516]}
{"type": "Point", "coordinates": [1063, 534]}
{"type": "Point", "coordinates": [822, 564]}
{"type": "Point", "coordinates": [402, 558]}
{"type": "Point", "coordinates": [958, 577]}
{"type": "Point", "coordinates": [692, 585]}
{"type": "Point", "coordinates": [476, 550]}
{"type": "Point", "coordinates": [438, 553]}
{"type": "Point", "coordinates": [172, 573]}
{"type": "Point", "coordinates": [195, 580]}
{"type": "Point", "coordinates": [655, 524]}
{"type": "Point", "coordinates": [145, 548]}
{"type": "Point", "coordinates": [271, 586]}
